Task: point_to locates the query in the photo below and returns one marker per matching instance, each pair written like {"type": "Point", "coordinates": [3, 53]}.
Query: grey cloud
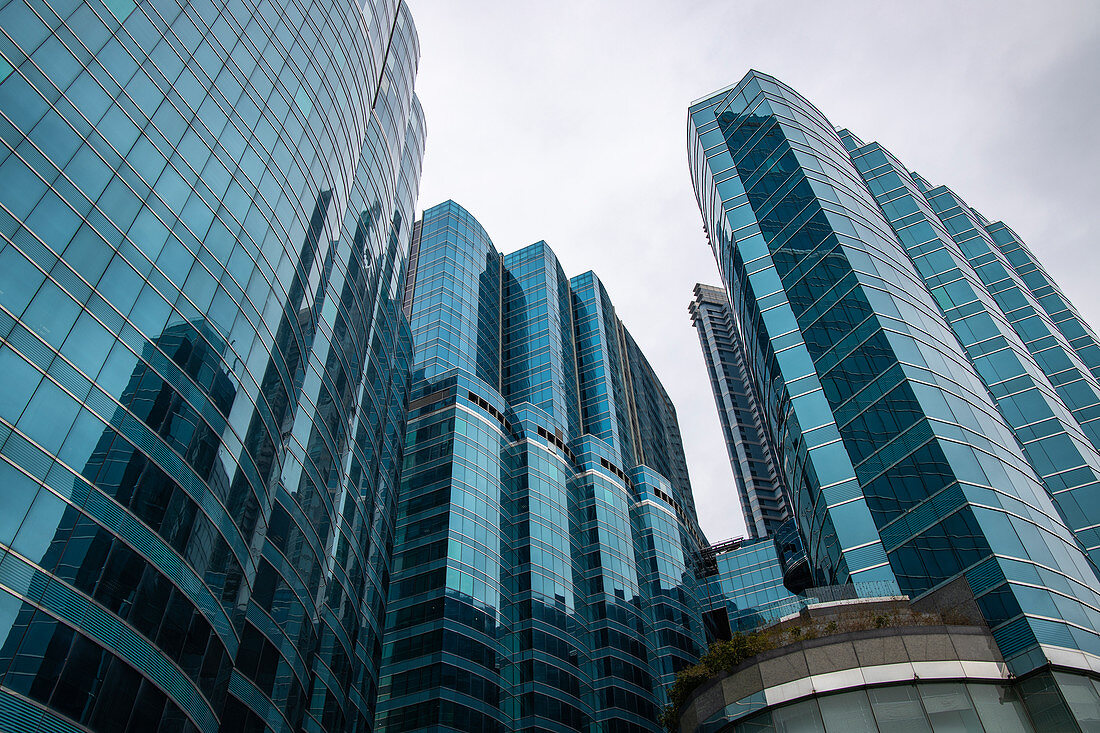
{"type": "Point", "coordinates": [565, 121]}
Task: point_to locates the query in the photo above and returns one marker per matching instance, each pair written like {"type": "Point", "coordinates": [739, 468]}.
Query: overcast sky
{"type": "Point", "coordinates": [565, 121]}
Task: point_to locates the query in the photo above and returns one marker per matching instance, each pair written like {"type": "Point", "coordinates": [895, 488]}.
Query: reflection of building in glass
{"type": "Point", "coordinates": [745, 586]}
{"type": "Point", "coordinates": [96, 560]}
{"type": "Point", "coordinates": [207, 217]}
{"type": "Point", "coordinates": [927, 389]}
{"type": "Point", "coordinates": [543, 573]}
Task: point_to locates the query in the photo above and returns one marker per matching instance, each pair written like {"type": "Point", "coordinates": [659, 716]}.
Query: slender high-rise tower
{"type": "Point", "coordinates": [544, 572]}
{"type": "Point", "coordinates": [205, 214]}
{"type": "Point", "coordinates": [755, 471]}
{"type": "Point", "coordinates": [929, 392]}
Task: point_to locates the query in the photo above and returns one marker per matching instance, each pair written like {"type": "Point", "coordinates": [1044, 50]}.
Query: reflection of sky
{"type": "Point", "coordinates": [39, 526]}
{"type": "Point", "coordinates": [36, 528]}
{"type": "Point", "coordinates": [596, 130]}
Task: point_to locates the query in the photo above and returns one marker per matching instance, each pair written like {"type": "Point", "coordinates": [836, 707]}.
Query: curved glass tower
{"type": "Point", "coordinates": [929, 391]}
{"type": "Point", "coordinates": [544, 573]}
{"type": "Point", "coordinates": [205, 213]}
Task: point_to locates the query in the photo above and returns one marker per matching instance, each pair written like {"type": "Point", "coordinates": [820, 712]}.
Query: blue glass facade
{"type": "Point", "coordinates": [1046, 394]}
{"type": "Point", "coordinates": [1049, 296]}
{"type": "Point", "coordinates": [456, 322]}
{"type": "Point", "coordinates": [544, 572]}
{"type": "Point", "coordinates": [894, 426]}
{"type": "Point", "coordinates": [745, 585]}
{"type": "Point", "coordinates": [205, 212]}
{"type": "Point", "coordinates": [540, 364]}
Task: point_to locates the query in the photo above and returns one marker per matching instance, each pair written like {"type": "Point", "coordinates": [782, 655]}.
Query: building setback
{"type": "Point", "coordinates": [544, 571]}
{"type": "Point", "coordinates": [205, 212]}
{"type": "Point", "coordinates": [929, 391]}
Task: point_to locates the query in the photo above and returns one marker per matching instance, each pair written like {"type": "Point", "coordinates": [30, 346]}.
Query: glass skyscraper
{"type": "Point", "coordinates": [745, 588]}
{"type": "Point", "coordinates": [929, 392]}
{"type": "Point", "coordinates": [544, 571]}
{"type": "Point", "coordinates": [755, 468]}
{"type": "Point", "coordinates": [205, 212]}
{"type": "Point", "coordinates": [749, 581]}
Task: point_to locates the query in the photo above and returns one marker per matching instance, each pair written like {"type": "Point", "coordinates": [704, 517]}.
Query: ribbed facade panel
{"type": "Point", "coordinates": [205, 212]}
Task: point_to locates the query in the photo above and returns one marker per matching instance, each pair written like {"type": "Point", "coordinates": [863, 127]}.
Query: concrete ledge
{"type": "Point", "coordinates": [846, 660]}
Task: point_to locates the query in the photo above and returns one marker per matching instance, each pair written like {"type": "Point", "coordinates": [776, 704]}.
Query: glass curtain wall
{"type": "Point", "coordinates": [931, 418]}
{"type": "Point", "coordinates": [546, 528]}
{"type": "Point", "coordinates": [205, 213]}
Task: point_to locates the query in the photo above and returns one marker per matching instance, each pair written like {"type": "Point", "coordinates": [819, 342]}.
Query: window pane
{"type": "Point", "coordinates": [999, 708]}
{"type": "Point", "coordinates": [898, 706]}
{"type": "Point", "coordinates": [949, 709]}
{"type": "Point", "coordinates": [1082, 699]}
{"type": "Point", "coordinates": [761, 723]}
{"type": "Point", "coordinates": [801, 717]}
{"type": "Point", "coordinates": [849, 712]}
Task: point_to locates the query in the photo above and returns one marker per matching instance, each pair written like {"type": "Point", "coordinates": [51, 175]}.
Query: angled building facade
{"type": "Point", "coordinates": [206, 214]}
{"type": "Point", "coordinates": [931, 409]}
{"type": "Point", "coordinates": [544, 572]}
{"type": "Point", "coordinates": [1046, 392]}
